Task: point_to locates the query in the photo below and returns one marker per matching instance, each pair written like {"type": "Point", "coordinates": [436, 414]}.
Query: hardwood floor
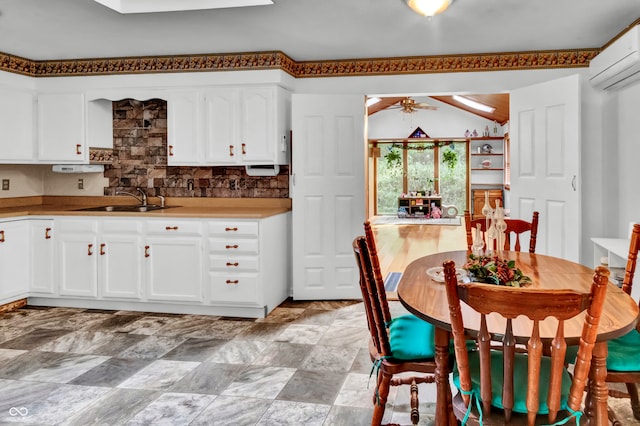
{"type": "Point", "coordinates": [399, 245]}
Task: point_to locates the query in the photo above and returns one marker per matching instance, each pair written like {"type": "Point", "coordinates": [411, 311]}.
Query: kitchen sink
{"type": "Point", "coordinates": [125, 208]}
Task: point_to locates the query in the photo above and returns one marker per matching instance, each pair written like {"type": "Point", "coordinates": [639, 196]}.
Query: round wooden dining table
{"type": "Point", "coordinates": [427, 299]}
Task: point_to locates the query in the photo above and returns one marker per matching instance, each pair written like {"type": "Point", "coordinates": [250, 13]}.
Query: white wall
{"type": "Point", "coordinates": [625, 143]}
{"type": "Point", "coordinates": [24, 181]}
{"type": "Point", "coordinates": [33, 180]}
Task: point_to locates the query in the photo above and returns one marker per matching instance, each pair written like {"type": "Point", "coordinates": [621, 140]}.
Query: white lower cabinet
{"type": "Point", "coordinates": [14, 255]}
{"type": "Point", "coordinates": [173, 253]}
{"type": "Point", "coordinates": [249, 262]}
{"type": "Point", "coordinates": [120, 270]}
{"type": "Point", "coordinates": [99, 258]}
{"type": "Point", "coordinates": [42, 256]}
{"type": "Point", "coordinates": [236, 267]}
{"type": "Point", "coordinates": [76, 250]}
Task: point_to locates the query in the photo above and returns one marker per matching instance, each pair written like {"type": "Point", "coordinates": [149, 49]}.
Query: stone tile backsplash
{"type": "Point", "coordinates": [140, 160]}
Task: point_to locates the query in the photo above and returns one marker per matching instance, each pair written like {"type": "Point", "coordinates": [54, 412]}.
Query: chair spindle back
{"type": "Point", "coordinates": [537, 305]}
{"type": "Point", "coordinates": [515, 227]}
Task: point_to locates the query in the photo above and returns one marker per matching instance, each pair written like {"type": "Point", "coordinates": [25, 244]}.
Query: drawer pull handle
{"type": "Point", "coordinates": [171, 228]}
{"type": "Point", "coordinates": [232, 282]}
{"type": "Point", "coordinates": [230, 150]}
{"type": "Point", "coordinates": [170, 150]}
{"type": "Point", "coordinates": [89, 251]}
{"type": "Point", "coordinates": [244, 150]}
{"type": "Point", "coordinates": [47, 234]}
{"type": "Point", "coordinates": [78, 152]}
{"type": "Point", "coordinates": [1, 236]}
{"type": "Point", "coordinates": [230, 229]}
{"type": "Point", "coordinates": [146, 251]}
{"type": "Point", "coordinates": [235, 246]}
{"type": "Point", "coordinates": [102, 252]}
{"type": "Point", "coordinates": [235, 264]}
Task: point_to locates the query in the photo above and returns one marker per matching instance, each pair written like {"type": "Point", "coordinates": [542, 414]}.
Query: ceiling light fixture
{"type": "Point", "coordinates": [152, 6]}
{"type": "Point", "coordinates": [428, 7]}
{"type": "Point", "coordinates": [473, 104]}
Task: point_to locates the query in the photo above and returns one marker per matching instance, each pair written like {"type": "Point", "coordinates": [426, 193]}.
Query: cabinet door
{"type": "Point", "coordinates": [222, 118]}
{"type": "Point", "coordinates": [174, 268]}
{"type": "Point", "coordinates": [61, 127]}
{"type": "Point", "coordinates": [257, 141]}
{"type": "Point", "coordinates": [77, 251]}
{"type": "Point", "coordinates": [17, 121]}
{"type": "Point", "coordinates": [183, 129]}
{"type": "Point", "coordinates": [42, 256]}
{"type": "Point", "coordinates": [120, 265]}
{"type": "Point", "coordinates": [14, 255]}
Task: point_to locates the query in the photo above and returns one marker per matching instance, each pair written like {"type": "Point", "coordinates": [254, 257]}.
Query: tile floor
{"type": "Point", "coordinates": [305, 364]}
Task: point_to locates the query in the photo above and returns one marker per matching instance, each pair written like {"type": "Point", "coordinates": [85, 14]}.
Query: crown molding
{"type": "Point", "coordinates": [308, 69]}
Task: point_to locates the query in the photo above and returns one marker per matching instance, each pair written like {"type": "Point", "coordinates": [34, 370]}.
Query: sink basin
{"type": "Point", "coordinates": [147, 208]}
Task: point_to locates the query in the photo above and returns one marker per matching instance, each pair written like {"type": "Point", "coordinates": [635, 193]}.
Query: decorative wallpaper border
{"type": "Point", "coordinates": [306, 69]}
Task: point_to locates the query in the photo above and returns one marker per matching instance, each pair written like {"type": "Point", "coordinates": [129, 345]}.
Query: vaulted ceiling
{"type": "Point", "coordinates": [498, 101]}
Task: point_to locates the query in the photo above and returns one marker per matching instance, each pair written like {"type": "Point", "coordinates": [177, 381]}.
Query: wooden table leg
{"type": "Point", "coordinates": [444, 408]}
{"type": "Point", "coordinates": [596, 409]}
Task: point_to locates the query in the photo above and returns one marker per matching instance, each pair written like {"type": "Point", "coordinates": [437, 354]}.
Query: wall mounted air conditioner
{"type": "Point", "coordinates": [618, 65]}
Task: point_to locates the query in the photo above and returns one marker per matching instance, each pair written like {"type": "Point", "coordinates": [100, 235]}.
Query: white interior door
{"type": "Point", "coordinates": [327, 190]}
{"type": "Point", "coordinates": [545, 163]}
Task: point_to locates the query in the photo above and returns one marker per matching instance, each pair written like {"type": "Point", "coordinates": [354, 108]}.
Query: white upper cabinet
{"type": "Point", "coordinates": [61, 129]}
{"type": "Point", "coordinates": [17, 121]}
{"type": "Point", "coordinates": [222, 125]}
{"type": "Point", "coordinates": [52, 127]}
{"type": "Point", "coordinates": [184, 128]}
{"type": "Point", "coordinates": [258, 138]}
{"type": "Point", "coordinates": [246, 125]}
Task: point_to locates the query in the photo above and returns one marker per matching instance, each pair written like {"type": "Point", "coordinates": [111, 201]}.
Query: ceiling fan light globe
{"type": "Point", "coordinates": [428, 7]}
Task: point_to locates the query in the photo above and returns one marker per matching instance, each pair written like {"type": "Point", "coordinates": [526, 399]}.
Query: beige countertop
{"type": "Point", "coordinates": [240, 208]}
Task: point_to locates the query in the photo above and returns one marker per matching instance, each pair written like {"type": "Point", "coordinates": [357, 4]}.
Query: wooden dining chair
{"type": "Point", "coordinates": [515, 227]}
{"type": "Point", "coordinates": [623, 360]}
{"type": "Point", "coordinates": [398, 345]}
{"type": "Point", "coordinates": [505, 386]}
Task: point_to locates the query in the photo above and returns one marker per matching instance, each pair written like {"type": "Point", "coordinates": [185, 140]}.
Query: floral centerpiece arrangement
{"type": "Point", "coordinates": [493, 270]}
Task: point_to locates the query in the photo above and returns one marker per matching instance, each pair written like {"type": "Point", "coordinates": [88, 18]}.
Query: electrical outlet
{"type": "Point", "coordinates": [5, 184]}
{"type": "Point", "coordinates": [80, 183]}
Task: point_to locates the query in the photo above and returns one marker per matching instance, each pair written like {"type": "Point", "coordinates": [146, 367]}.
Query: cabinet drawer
{"type": "Point", "coordinates": [239, 288]}
{"type": "Point", "coordinates": [174, 227]}
{"type": "Point", "coordinates": [233, 246]}
{"type": "Point", "coordinates": [234, 263]}
{"type": "Point", "coordinates": [122, 226]}
{"type": "Point", "coordinates": [233, 228]}
{"type": "Point", "coordinates": [76, 225]}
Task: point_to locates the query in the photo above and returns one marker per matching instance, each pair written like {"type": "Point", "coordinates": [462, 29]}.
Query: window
{"type": "Point", "coordinates": [405, 166]}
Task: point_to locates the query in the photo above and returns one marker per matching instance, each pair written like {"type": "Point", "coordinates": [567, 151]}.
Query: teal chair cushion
{"type": "Point", "coordinates": [411, 338]}
{"type": "Point", "coordinates": [520, 380]}
{"type": "Point", "coordinates": [624, 352]}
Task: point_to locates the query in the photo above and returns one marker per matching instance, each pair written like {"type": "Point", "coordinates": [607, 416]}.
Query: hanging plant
{"type": "Point", "coordinates": [449, 158]}
{"type": "Point", "coordinates": [393, 157]}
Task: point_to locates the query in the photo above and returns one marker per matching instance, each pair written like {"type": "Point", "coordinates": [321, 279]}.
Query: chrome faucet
{"type": "Point", "coordinates": [142, 199]}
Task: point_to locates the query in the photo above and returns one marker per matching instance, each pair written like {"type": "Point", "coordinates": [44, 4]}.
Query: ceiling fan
{"type": "Point", "coordinates": [408, 105]}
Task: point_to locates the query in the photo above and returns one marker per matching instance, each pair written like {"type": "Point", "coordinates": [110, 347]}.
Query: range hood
{"type": "Point", "coordinates": [262, 170]}
{"type": "Point", "coordinates": [78, 168]}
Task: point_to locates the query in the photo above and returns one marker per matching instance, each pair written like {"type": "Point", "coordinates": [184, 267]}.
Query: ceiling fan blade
{"type": "Point", "coordinates": [423, 105]}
